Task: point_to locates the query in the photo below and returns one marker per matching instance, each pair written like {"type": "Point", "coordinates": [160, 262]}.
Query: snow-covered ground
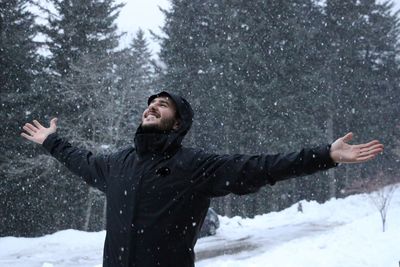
{"type": "Point", "coordinates": [341, 233]}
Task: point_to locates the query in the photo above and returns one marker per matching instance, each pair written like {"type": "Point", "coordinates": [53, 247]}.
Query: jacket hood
{"type": "Point", "coordinates": [166, 142]}
{"type": "Point", "coordinates": [184, 109]}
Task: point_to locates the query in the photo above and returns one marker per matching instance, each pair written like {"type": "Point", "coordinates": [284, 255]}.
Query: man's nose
{"type": "Point", "coordinates": [151, 107]}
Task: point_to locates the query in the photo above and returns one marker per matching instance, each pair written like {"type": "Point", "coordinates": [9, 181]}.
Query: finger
{"type": "Point", "coordinates": [27, 136]}
{"type": "Point", "coordinates": [28, 130]}
{"type": "Point", "coordinates": [376, 151]}
{"type": "Point", "coordinates": [369, 144]}
{"type": "Point", "coordinates": [37, 124]}
{"type": "Point", "coordinates": [366, 158]}
{"type": "Point", "coordinates": [53, 122]}
{"type": "Point", "coordinates": [30, 126]}
{"type": "Point", "coordinates": [372, 152]}
{"type": "Point", "coordinates": [370, 148]}
{"type": "Point", "coordinates": [347, 137]}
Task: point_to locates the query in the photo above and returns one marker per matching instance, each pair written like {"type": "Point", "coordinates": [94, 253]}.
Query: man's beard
{"type": "Point", "coordinates": [165, 126]}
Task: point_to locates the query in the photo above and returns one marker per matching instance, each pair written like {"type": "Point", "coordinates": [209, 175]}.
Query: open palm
{"type": "Point", "coordinates": [38, 133]}
{"type": "Point", "coordinates": [342, 152]}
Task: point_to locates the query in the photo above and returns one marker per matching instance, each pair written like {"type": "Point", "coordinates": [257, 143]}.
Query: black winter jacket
{"type": "Point", "coordinates": [158, 193]}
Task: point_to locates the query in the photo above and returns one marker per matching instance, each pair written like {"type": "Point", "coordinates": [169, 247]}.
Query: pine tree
{"type": "Point", "coordinates": [81, 28]}
{"type": "Point", "coordinates": [134, 83]}
{"type": "Point", "coordinates": [360, 75]}
{"type": "Point", "coordinates": [17, 48]}
{"type": "Point", "coordinates": [19, 65]}
{"type": "Point", "coordinates": [82, 40]}
{"type": "Point", "coordinates": [254, 61]}
{"type": "Point", "coordinates": [19, 68]}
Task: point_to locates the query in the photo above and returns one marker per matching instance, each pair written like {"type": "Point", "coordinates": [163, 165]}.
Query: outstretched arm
{"type": "Point", "coordinates": [241, 174]}
{"type": "Point", "coordinates": [93, 169]}
{"type": "Point", "coordinates": [342, 152]}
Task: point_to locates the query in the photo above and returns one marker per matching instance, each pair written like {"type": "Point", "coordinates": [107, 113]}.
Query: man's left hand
{"type": "Point", "coordinates": [342, 152]}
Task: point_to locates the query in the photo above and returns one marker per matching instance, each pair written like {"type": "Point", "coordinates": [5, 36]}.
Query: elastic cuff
{"type": "Point", "coordinates": [332, 162]}
{"type": "Point", "coordinates": [49, 141]}
{"type": "Point", "coordinates": [325, 161]}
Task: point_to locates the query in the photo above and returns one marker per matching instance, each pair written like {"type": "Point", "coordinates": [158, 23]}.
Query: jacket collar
{"type": "Point", "coordinates": [156, 143]}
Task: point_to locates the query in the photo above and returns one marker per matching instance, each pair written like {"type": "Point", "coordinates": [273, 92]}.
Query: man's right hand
{"type": "Point", "coordinates": [37, 133]}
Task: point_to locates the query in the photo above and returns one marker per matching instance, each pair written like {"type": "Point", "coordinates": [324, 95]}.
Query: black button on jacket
{"type": "Point", "coordinates": [158, 193]}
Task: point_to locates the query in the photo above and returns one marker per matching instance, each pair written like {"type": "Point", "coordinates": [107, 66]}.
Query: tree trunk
{"type": "Point", "coordinates": [89, 209]}
{"type": "Point", "coordinates": [331, 172]}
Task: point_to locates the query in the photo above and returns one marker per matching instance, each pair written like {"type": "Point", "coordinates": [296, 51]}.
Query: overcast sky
{"type": "Point", "coordinates": [144, 14]}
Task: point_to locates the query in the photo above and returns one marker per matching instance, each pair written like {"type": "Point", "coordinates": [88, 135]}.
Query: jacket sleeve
{"type": "Point", "coordinates": [242, 174]}
{"type": "Point", "coordinates": [93, 169]}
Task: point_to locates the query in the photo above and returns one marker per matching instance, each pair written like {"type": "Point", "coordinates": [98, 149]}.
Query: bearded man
{"type": "Point", "coordinates": [158, 191]}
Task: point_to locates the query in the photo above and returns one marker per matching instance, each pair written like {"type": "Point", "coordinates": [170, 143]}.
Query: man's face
{"type": "Point", "coordinates": [160, 115]}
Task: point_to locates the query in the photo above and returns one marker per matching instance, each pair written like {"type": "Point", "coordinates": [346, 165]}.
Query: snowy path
{"type": "Point", "coordinates": [250, 245]}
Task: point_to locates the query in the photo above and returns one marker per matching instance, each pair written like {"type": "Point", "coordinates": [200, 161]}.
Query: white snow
{"type": "Point", "coordinates": [339, 233]}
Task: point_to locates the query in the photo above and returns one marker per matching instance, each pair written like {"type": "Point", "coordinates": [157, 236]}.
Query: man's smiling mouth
{"type": "Point", "coordinates": [152, 115]}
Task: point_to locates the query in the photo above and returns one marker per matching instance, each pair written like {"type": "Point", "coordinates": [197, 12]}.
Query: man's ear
{"type": "Point", "coordinates": [176, 125]}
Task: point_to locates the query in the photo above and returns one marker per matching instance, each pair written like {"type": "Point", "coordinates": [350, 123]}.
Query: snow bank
{"type": "Point", "coordinates": [339, 233]}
